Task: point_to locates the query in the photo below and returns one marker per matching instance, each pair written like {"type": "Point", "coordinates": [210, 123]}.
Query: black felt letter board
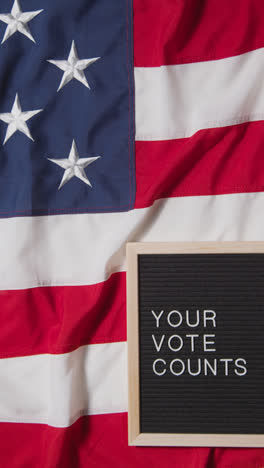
{"type": "Point", "coordinates": [227, 394]}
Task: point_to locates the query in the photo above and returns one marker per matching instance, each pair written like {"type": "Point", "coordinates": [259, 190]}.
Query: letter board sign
{"type": "Point", "coordinates": [195, 323]}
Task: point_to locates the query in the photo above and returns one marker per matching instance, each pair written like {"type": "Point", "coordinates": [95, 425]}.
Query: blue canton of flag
{"type": "Point", "coordinates": [66, 107]}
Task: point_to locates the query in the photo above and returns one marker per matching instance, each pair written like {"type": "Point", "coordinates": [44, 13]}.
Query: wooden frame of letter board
{"type": "Point", "coordinates": [135, 437]}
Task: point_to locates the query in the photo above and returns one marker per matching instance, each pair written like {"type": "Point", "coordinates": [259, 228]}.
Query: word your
{"type": "Point", "coordinates": [175, 318]}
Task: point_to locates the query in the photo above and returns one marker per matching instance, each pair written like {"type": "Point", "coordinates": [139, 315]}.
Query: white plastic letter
{"type": "Point", "coordinates": [226, 361]}
{"type": "Point", "coordinates": [171, 367]}
{"type": "Point", "coordinates": [189, 367]}
{"type": "Point", "coordinates": [197, 319]}
{"type": "Point", "coordinates": [209, 315]}
{"type": "Point", "coordinates": [212, 369]}
{"type": "Point", "coordinates": [192, 341]}
{"type": "Point", "coordinates": [157, 317]}
{"type": "Point", "coordinates": [175, 325]}
{"type": "Point", "coordinates": [158, 346]}
{"type": "Point", "coordinates": [241, 367]}
{"type": "Point", "coordinates": [154, 367]}
{"type": "Point", "coordinates": [206, 342]}
{"type": "Point", "coordinates": [180, 345]}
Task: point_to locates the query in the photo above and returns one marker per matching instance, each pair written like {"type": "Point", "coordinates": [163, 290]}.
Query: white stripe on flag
{"type": "Point", "coordinates": [85, 249]}
{"type": "Point", "coordinates": [58, 389]}
{"type": "Point", "coordinates": [175, 101]}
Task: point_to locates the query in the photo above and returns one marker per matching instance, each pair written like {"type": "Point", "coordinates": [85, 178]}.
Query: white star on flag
{"type": "Point", "coordinates": [73, 67]}
{"type": "Point", "coordinates": [17, 119]}
{"type": "Point", "coordinates": [74, 166]}
{"type": "Point", "coordinates": [17, 21]}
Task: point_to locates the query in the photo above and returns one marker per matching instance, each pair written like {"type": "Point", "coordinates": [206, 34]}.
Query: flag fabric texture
{"type": "Point", "coordinates": [120, 121]}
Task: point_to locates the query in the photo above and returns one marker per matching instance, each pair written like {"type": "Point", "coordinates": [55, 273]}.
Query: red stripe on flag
{"type": "Point", "coordinates": [60, 319]}
{"type": "Point", "coordinates": [101, 442]}
{"type": "Point", "coordinates": [211, 162]}
{"type": "Point", "coordinates": [168, 32]}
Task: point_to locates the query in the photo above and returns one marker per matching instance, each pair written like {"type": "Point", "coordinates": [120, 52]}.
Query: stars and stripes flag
{"type": "Point", "coordinates": [120, 121]}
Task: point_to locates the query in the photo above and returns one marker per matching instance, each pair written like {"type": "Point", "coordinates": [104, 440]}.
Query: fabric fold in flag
{"type": "Point", "coordinates": [73, 263]}
{"type": "Point", "coordinates": [58, 389]}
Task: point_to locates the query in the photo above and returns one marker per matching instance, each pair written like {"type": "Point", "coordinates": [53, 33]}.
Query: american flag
{"type": "Point", "coordinates": [120, 121]}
